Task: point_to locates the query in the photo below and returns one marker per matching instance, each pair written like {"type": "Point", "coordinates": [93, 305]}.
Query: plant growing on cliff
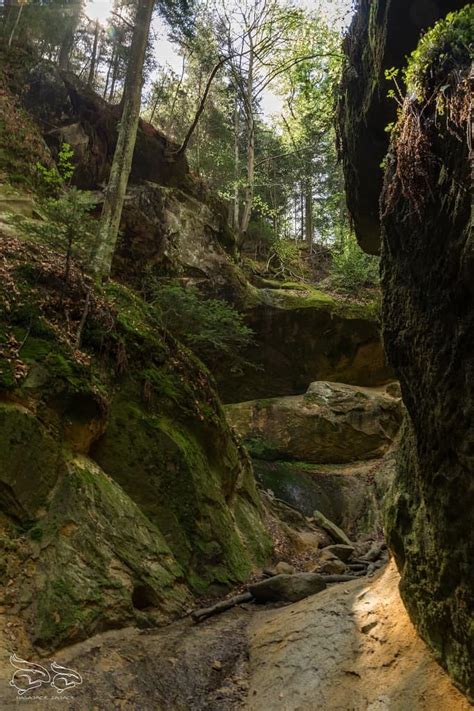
{"type": "Point", "coordinates": [212, 328]}
{"type": "Point", "coordinates": [449, 44]}
{"type": "Point", "coordinates": [66, 223]}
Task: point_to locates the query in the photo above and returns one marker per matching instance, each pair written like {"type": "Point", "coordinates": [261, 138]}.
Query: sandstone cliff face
{"type": "Point", "coordinates": [428, 300]}
{"type": "Point", "coordinates": [382, 34]}
{"type": "Point", "coordinates": [303, 335]}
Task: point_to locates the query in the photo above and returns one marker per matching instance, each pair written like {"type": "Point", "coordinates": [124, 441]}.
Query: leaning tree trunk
{"type": "Point", "coordinates": [122, 162]}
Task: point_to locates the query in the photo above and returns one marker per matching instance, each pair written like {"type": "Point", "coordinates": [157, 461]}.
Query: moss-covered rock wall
{"type": "Point", "coordinates": [303, 335]}
{"type": "Point", "coordinates": [382, 33]}
{"type": "Point", "coordinates": [428, 274]}
{"type": "Point", "coordinates": [428, 307]}
{"type": "Point", "coordinates": [121, 483]}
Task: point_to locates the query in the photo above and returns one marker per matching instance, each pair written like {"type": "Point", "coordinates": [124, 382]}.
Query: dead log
{"type": "Point", "coordinates": [205, 612]}
{"type": "Point", "coordinates": [339, 578]}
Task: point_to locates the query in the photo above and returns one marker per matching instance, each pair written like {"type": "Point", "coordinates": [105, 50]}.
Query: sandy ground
{"type": "Point", "coordinates": [350, 648]}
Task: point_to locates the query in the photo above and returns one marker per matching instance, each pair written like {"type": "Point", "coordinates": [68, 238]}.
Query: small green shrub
{"type": "Point", "coordinates": [260, 235]}
{"type": "Point", "coordinates": [213, 329]}
{"type": "Point", "coordinates": [353, 269]}
{"type": "Point", "coordinates": [66, 223]}
{"type": "Point", "coordinates": [59, 175]}
{"type": "Point", "coordinates": [285, 258]}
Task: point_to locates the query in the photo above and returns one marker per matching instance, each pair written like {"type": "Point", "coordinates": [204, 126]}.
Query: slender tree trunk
{"type": "Point", "coordinates": [236, 166]}
{"type": "Point", "coordinates": [114, 76]}
{"type": "Point", "coordinates": [249, 187]}
{"type": "Point", "coordinates": [198, 133]}
{"type": "Point", "coordinates": [170, 121]}
{"type": "Point", "coordinates": [308, 206]}
{"type": "Point", "coordinates": [109, 69]}
{"type": "Point", "coordinates": [155, 106]}
{"type": "Point", "coordinates": [295, 215]}
{"type": "Point", "coordinates": [122, 162]}
{"type": "Point", "coordinates": [8, 11]}
{"type": "Point", "coordinates": [302, 212]}
{"type": "Point", "coordinates": [68, 39]}
{"type": "Point", "coordinates": [17, 20]}
{"type": "Point", "coordinates": [91, 77]}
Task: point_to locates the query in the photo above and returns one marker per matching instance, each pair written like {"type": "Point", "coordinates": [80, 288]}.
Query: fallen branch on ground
{"type": "Point", "coordinates": [205, 612]}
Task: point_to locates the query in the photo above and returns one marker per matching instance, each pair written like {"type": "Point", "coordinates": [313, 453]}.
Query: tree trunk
{"type": "Point", "coordinates": [236, 166]}
{"type": "Point", "coordinates": [302, 212]}
{"type": "Point", "coordinates": [155, 105]}
{"type": "Point", "coordinates": [248, 191]}
{"type": "Point", "coordinates": [169, 124]}
{"type": "Point", "coordinates": [122, 162]}
{"type": "Point", "coordinates": [308, 207]}
{"type": "Point", "coordinates": [17, 20]}
{"type": "Point", "coordinates": [67, 42]}
{"type": "Point", "coordinates": [114, 76]}
{"type": "Point", "coordinates": [109, 69]}
{"type": "Point", "coordinates": [91, 77]}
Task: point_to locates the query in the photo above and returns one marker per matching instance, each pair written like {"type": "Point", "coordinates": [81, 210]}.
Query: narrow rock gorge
{"type": "Point", "coordinates": [236, 472]}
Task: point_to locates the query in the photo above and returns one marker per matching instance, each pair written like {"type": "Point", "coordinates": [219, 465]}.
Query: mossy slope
{"type": "Point", "coordinates": [117, 465]}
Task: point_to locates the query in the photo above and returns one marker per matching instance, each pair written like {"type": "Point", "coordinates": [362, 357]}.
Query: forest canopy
{"type": "Point", "coordinates": [246, 90]}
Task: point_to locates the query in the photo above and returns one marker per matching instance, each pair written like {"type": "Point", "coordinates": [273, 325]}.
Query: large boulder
{"type": "Point", "coordinates": [303, 335]}
{"type": "Point", "coordinates": [331, 423]}
{"type": "Point", "coordinates": [287, 588]}
{"type": "Point", "coordinates": [382, 34]}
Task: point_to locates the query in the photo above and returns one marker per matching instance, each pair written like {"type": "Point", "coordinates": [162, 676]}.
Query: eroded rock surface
{"type": "Point", "coordinates": [330, 423]}
{"type": "Point", "coordinates": [118, 497]}
{"type": "Point", "coordinates": [302, 336]}
{"type": "Point", "coordinates": [349, 647]}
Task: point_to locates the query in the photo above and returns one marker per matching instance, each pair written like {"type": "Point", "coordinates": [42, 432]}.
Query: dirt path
{"type": "Point", "coordinates": [350, 648]}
